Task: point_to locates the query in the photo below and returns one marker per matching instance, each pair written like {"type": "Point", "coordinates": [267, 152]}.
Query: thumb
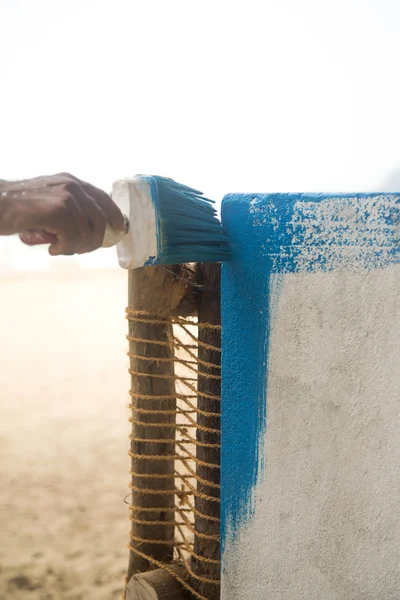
{"type": "Point", "coordinates": [36, 238]}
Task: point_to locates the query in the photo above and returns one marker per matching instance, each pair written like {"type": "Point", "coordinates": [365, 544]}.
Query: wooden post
{"type": "Point", "coordinates": [158, 585]}
{"type": "Point", "coordinates": [159, 292]}
{"type": "Point", "coordinates": [208, 276]}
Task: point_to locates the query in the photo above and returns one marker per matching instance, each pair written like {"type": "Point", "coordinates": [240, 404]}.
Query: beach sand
{"type": "Point", "coordinates": [63, 435]}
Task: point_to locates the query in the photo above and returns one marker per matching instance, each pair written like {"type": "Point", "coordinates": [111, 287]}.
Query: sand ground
{"type": "Point", "coordinates": [63, 435]}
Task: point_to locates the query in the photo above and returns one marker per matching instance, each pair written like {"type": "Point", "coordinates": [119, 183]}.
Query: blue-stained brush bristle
{"type": "Point", "coordinates": [189, 230]}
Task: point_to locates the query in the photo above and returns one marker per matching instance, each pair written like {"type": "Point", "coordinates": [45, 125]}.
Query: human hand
{"type": "Point", "coordinates": [60, 210]}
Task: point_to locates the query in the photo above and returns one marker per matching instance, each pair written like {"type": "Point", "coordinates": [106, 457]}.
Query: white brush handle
{"type": "Point", "coordinates": [134, 198]}
{"type": "Point", "coordinates": [112, 237]}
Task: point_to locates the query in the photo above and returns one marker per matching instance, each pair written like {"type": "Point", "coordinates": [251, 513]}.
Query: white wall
{"type": "Point", "coordinates": [327, 513]}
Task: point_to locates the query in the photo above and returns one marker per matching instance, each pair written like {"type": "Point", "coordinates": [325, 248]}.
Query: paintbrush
{"type": "Point", "coordinates": [165, 223]}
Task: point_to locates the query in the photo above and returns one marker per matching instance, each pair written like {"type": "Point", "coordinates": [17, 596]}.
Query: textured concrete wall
{"type": "Point", "coordinates": [313, 414]}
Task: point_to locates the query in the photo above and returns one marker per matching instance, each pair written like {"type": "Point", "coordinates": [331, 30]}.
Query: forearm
{"type": "Point", "coordinates": [8, 203]}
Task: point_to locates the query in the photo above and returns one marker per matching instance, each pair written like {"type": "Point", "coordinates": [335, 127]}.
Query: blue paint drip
{"type": "Point", "coordinates": [265, 239]}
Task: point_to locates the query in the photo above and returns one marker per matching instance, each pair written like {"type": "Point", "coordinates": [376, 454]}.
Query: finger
{"type": "Point", "coordinates": [88, 217]}
{"type": "Point", "coordinates": [67, 234]}
{"type": "Point", "coordinates": [96, 220]}
{"type": "Point", "coordinates": [36, 238]}
{"type": "Point", "coordinates": [108, 206]}
{"type": "Point", "coordinates": [78, 207]}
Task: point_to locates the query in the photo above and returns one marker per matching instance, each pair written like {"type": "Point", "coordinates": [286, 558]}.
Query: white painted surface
{"type": "Point", "coordinates": [133, 197]}
{"type": "Point", "coordinates": [327, 510]}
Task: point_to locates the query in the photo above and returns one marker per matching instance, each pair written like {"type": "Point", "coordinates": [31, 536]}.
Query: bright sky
{"type": "Point", "coordinates": [225, 95]}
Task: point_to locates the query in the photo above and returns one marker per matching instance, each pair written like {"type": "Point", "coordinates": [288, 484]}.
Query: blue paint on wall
{"type": "Point", "coordinates": [244, 384]}
{"type": "Point", "coordinates": [246, 292]}
{"type": "Point", "coordinates": [284, 226]}
{"type": "Point", "coordinates": [275, 234]}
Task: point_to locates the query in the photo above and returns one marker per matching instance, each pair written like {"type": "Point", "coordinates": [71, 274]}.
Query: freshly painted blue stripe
{"type": "Point", "coordinates": [245, 333]}
{"type": "Point", "coordinates": [274, 234]}
{"type": "Point", "coordinates": [245, 329]}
